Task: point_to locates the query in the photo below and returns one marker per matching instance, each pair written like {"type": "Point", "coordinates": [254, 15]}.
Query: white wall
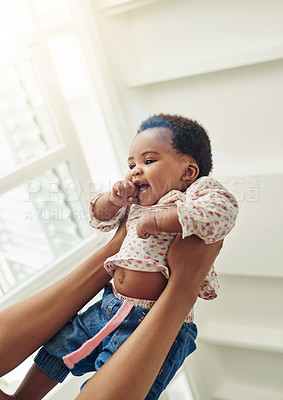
{"type": "Point", "coordinates": [219, 62]}
{"type": "Point", "coordinates": [169, 41]}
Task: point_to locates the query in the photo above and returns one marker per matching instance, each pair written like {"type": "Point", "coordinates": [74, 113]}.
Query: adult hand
{"type": "Point", "coordinates": [190, 260]}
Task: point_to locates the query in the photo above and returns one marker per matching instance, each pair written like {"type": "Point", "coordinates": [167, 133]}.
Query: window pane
{"type": "Point", "coordinates": [53, 12]}
{"type": "Point", "coordinates": [26, 130]}
{"type": "Point", "coordinates": [15, 18]}
{"type": "Point", "coordinates": [68, 59]}
{"type": "Point", "coordinates": [69, 62]}
{"type": "Point", "coordinates": [39, 221]}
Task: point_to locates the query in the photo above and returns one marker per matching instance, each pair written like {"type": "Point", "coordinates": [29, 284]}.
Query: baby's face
{"type": "Point", "coordinates": [154, 166]}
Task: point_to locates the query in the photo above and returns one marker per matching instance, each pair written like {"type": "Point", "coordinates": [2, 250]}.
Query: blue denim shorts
{"type": "Point", "coordinates": [84, 326]}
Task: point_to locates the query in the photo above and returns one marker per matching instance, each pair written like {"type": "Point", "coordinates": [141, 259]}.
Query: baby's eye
{"type": "Point", "coordinates": [131, 166]}
{"type": "Point", "coordinates": [149, 161]}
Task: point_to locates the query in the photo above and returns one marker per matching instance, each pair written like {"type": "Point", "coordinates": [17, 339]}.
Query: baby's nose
{"type": "Point", "coordinates": [137, 170]}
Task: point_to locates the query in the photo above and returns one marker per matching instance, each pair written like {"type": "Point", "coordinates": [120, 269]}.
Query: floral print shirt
{"type": "Point", "coordinates": [206, 210]}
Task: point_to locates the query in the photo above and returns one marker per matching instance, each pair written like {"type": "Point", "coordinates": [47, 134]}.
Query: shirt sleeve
{"type": "Point", "coordinates": [207, 210]}
{"type": "Point", "coordinates": [210, 287]}
{"type": "Point", "coordinates": [105, 226]}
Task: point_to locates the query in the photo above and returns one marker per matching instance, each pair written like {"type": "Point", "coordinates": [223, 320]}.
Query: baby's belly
{"type": "Point", "coordinates": [139, 284]}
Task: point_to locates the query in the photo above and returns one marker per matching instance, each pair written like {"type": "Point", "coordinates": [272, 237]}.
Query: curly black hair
{"type": "Point", "coordinates": [189, 138]}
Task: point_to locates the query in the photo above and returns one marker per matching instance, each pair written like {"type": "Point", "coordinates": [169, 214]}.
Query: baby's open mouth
{"type": "Point", "coordinates": [142, 187]}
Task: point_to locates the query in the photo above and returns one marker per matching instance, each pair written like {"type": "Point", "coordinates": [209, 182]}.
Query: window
{"type": "Point", "coordinates": [48, 107]}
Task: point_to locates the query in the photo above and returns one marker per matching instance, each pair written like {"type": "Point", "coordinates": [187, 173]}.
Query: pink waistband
{"type": "Point", "coordinates": [136, 302]}
{"type": "Point", "coordinates": [145, 303]}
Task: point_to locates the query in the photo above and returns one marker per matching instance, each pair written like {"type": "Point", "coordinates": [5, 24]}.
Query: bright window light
{"type": "Point", "coordinates": [53, 12]}
{"type": "Point", "coordinates": [70, 66]}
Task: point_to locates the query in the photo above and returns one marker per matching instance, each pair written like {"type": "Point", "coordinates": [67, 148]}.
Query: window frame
{"type": "Point", "coordinates": [69, 149]}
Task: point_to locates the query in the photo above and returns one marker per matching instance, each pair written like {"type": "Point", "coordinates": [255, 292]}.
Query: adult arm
{"type": "Point", "coordinates": [133, 368]}
{"type": "Point", "coordinates": [25, 326]}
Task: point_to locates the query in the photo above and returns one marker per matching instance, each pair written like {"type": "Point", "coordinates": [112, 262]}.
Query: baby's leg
{"type": "Point", "coordinates": [34, 386]}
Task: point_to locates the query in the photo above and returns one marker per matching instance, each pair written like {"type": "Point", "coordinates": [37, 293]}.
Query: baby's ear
{"type": "Point", "coordinates": [191, 172]}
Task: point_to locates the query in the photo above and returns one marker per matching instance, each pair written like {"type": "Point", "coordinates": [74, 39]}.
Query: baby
{"type": "Point", "coordinates": [166, 191]}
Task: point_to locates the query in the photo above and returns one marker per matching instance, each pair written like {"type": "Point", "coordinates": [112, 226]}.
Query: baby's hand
{"type": "Point", "coordinates": [147, 225]}
{"type": "Point", "coordinates": [123, 193]}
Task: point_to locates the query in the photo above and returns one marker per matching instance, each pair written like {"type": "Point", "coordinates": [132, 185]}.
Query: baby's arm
{"type": "Point", "coordinates": [154, 222]}
{"type": "Point", "coordinates": [207, 210]}
{"type": "Point", "coordinates": [123, 193]}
